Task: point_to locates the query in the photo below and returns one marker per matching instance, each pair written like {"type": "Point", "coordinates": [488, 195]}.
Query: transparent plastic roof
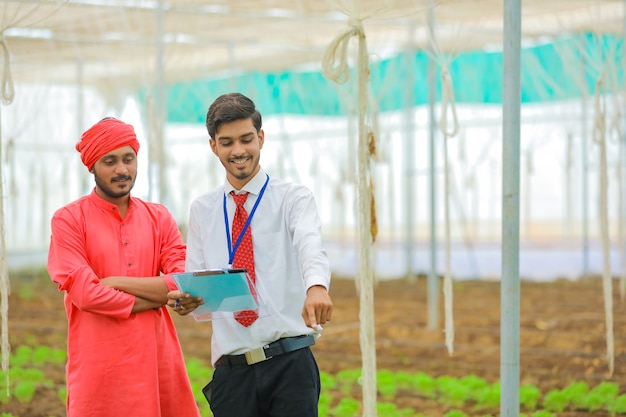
{"type": "Point", "coordinates": [134, 42]}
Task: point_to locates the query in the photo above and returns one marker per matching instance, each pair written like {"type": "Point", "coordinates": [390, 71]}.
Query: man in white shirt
{"type": "Point", "coordinates": [263, 362]}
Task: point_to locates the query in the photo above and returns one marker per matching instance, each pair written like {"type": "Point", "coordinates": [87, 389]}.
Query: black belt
{"type": "Point", "coordinates": [284, 345]}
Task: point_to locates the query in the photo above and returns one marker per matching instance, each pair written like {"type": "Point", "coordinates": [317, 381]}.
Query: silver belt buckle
{"type": "Point", "coordinates": [256, 355]}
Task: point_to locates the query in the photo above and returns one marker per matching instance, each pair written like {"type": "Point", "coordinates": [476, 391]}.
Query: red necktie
{"type": "Point", "coordinates": [244, 256]}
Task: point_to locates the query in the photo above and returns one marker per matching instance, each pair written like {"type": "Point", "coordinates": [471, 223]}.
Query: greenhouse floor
{"type": "Point", "coordinates": [562, 333]}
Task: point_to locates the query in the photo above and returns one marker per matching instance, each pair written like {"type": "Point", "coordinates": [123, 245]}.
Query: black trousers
{"type": "Point", "coordinates": [287, 385]}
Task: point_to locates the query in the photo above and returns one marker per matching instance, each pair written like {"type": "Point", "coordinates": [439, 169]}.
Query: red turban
{"type": "Point", "coordinates": [103, 137]}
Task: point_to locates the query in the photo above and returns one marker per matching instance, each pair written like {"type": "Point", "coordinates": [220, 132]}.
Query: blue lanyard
{"type": "Point", "coordinates": [231, 250]}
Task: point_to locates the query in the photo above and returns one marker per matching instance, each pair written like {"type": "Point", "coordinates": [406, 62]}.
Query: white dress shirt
{"type": "Point", "coordinates": [288, 258]}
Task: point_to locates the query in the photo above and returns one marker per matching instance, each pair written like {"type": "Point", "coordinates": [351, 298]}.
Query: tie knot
{"type": "Point", "coordinates": [240, 199]}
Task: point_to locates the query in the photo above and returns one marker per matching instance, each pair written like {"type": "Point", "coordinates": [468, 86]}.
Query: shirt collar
{"type": "Point", "coordinates": [103, 204]}
{"type": "Point", "coordinates": [253, 186]}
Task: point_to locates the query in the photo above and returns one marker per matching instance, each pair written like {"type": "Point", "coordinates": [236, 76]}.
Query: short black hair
{"type": "Point", "coordinates": [228, 108]}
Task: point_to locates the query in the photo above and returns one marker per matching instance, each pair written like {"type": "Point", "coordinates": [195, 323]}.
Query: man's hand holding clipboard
{"type": "Point", "coordinates": [212, 293]}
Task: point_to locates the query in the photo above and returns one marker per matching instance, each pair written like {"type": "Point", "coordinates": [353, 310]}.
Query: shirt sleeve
{"type": "Point", "coordinates": [305, 227]}
{"type": "Point", "coordinates": [69, 268]}
{"type": "Point", "coordinates": [195, 259]}
{"type": "Point", "coordinates": [172, 249]}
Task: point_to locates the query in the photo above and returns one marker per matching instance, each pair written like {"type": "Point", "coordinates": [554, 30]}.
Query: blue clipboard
{"type": "Point", "coordinates": [223, 291]}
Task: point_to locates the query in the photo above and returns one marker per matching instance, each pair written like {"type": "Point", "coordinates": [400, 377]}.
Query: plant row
{"type": "Point", "coordinates": [467, 393]}
{"type": "Point", "coordinates": [341, 391]}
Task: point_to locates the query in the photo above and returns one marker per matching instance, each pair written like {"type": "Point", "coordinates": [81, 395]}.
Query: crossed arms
{"type": "Point", "coordinates": [149, 292]}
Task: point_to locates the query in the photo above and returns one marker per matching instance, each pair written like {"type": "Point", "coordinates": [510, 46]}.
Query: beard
{"type": "Point", "coordinates": [108, 188]}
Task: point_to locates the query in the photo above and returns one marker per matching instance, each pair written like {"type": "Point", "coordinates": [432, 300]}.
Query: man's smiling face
{"type": "Point", "coordinates": [238, 146]}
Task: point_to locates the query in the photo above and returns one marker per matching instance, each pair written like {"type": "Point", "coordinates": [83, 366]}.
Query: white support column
{"type": "Point", "coordinates": [510, 284]}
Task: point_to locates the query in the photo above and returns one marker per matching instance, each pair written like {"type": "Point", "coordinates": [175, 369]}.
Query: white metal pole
{"type": "Point", "coordinates": [85, 180]}
{"type": "Point", "coordinates": [433, 281]}
{"type": "Point", "coordinates": [622, 183]}
{"type": "Point", "coordinates": [161, 110]}
{"type": "Point", "coordinates": [510, 284]}
{"type": "Point", "coordinates": [157, 162]}
{"type": "Point", "coordinates": [585, 169]}
{"type": "Point", "coordinates": [5, 284]}
{"type": "Point", "coordinates": [409, 159]}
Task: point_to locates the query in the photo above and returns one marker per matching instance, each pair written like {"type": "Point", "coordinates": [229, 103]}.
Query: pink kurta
{"type": "Point", "coordinates": [119, 363]}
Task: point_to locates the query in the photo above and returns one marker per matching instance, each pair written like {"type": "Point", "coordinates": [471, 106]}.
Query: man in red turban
{"type": "Point", "coordinates": [112, 255]}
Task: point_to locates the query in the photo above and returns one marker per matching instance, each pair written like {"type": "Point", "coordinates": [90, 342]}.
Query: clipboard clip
{"type": "Point", "coordinates": [218, 272]}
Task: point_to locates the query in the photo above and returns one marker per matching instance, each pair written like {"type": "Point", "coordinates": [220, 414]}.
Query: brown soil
{"type": "Point", "coordinates": [562, 335]}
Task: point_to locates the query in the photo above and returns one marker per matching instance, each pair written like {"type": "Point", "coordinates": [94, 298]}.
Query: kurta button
{"type": "Point", "coordinates": [130, 265]}
{"type": "Point", "coordinates": [125, 243]}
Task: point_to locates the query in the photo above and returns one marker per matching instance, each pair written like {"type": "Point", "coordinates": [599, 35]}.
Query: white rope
{"type": "Point", "coordinates": [335, 59]}
{"type": "Point", "coordinates": [7, 94]}
{"type": "Point", "coordinates": [5, 286]}
{"type": "Point", "coordinates": [599, 136]}
{"type": "Point", "coordinates": [7, 91]}
{"type": "Point", "coordinates": [335, 68]}
{"type": "Point", "coordinates": [616, 129]}
{"type": "Point", "coordinates": [447, 104]}
{"type": "Point", "coordinates": [621, 237]}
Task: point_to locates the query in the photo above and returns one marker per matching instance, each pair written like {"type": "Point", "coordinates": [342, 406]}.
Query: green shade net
{"type": "Point", "coordinates": [557, 70]}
